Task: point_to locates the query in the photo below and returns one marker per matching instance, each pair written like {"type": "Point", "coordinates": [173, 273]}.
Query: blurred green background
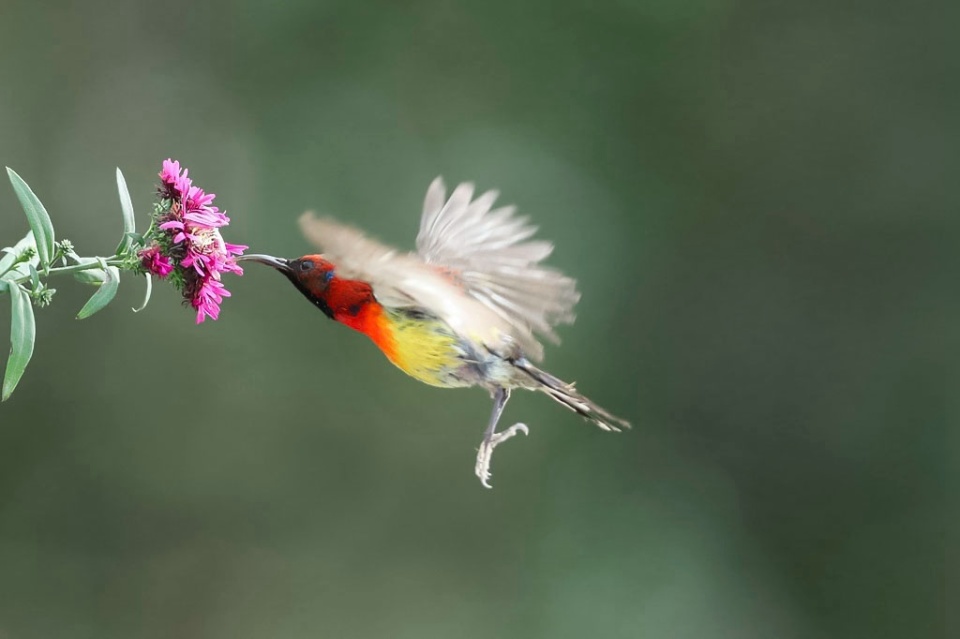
{"type": "Point", "coordinates": [751, 194]}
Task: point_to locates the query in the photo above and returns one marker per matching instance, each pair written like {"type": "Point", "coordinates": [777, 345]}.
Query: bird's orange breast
{"type": "Point", "coordinates": [372, 321]}
{"type": "Point", "coordinates": [423, 347]}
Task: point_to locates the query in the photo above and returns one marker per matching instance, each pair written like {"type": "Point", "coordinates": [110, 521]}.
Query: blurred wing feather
{"type": "Point", "coordinates": [490, 254]}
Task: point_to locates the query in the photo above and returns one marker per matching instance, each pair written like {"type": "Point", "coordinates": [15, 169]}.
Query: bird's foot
{"type": "Point", "coordinates": [485, 453]}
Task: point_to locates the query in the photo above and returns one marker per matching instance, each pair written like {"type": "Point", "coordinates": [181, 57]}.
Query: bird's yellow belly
{"type": "Point", "coordinates": [424, 348]}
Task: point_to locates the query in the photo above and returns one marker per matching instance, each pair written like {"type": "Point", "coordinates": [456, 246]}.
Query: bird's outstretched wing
{"type": "Point", "coordinates": [489, 252]}
{"type": "Point", "coordinates": [475, 267]}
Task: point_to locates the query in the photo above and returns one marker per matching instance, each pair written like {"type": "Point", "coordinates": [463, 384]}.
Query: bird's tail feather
{"type": "Point", "coordinates": [567, 395]}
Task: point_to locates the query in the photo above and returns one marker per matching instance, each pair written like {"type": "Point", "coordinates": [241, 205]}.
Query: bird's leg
{"type": "Point", "coordinates": [491, 438]}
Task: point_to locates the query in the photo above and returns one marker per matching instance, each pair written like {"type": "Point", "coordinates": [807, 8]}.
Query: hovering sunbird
{"type": "Point", "coordinates": [464, 310]}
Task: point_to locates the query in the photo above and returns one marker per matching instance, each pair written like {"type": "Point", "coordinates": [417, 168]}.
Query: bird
{"type": "Point", "coordinates": [468, 308]}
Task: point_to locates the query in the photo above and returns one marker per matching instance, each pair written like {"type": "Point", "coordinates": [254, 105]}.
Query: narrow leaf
{"type": "Point", "coordinates": [126, 206]}
{"type": "Point", "coordinates": [34, 277]}
{"type": "Point", "coordinates": [37, 216]}
{"type": "Point", "coordinates": [6, 262]}
{"type": "Point", "coordinates": [23, 332]}
{"type": "Point", "coordinates": [12, 253]}
{"type": "Point", "coordinates": [146, 297]}
{"type": "Point", "coordinates": [95, 276]}
{"type": "Point", "coordinates": [104, 294]}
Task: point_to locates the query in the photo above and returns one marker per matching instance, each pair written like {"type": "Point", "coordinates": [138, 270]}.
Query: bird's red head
{"type": "Point", "coordinates": [316, 277]}
{"type": "Point", "coordinates": [312, 273]}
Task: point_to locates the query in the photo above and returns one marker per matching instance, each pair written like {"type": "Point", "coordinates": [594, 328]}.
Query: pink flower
{"type": "Point", "coordinates": [187, 242]}
{"type": "Point", "coordinates": [155, 261]}
{"type": "Point", "coordinates": [170, 175]}
{"type": "Point", "coordinates": [207, 299]}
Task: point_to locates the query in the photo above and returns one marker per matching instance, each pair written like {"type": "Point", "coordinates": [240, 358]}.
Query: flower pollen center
{"type": "Point", "coordinates": [206, 240]}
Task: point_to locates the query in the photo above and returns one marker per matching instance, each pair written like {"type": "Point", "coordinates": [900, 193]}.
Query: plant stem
{"type": "Point", "coordinates": [74, 268]}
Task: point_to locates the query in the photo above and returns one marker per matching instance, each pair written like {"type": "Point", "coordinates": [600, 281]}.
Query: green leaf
{"type": "Point", "coordinates": [7, 261]}
{"type": "Point", "coordinates": [146, 297]}
{"type": "Point", "coordinates": [23, 332]}
{"type": "Point", "coordinates": [34, 277]}
{"type": "Point", "coordinates": [126, 206]}
{"type": "Point", "coordinates": [37, 217]}
{"type": "Point", "coordinates": [95, 276]}
{"type": "Point", "coordinates": [104, 294]}
{"type": "Point", "coordinates": [11, 254]}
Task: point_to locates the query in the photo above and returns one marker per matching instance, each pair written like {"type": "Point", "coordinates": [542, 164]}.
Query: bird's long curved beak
{"type": "Point", "coordinates": [278, 263]}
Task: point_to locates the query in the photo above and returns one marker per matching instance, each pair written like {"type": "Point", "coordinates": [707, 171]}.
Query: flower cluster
{"type": "Point", "coordinates": [184, 242]}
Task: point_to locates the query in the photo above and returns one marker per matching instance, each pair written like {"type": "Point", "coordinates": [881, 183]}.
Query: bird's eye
{"type": "Point", "coordinates": [306, 265]}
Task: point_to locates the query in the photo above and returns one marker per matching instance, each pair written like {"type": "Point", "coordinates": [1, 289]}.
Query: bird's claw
{"type": "Point", "coordinates": [485, 453]}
